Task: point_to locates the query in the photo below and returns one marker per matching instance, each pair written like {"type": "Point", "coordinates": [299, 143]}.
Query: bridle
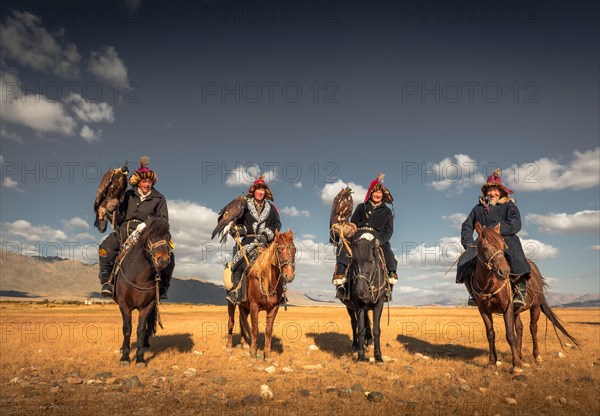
{"type": "Point", "coordinates": [290, 262]}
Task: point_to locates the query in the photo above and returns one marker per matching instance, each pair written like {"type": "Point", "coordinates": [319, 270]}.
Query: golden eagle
{"type": "Point", "coordinates": [341, 209]}
{"type": "Point", "coordinates": [110, 192]}
{"type": "Point", "coordinates": [228, 215]}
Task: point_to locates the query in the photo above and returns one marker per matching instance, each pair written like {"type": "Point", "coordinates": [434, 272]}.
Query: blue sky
{"type": "Point", "coordinates": [314, 95]}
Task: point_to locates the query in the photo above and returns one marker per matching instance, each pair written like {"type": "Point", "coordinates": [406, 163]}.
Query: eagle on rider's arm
{"type": "Point", "coordinates": [341, 209]}
{"type": "Point", "coordinates": [110, 193]}
{"type": "Point", "coordinates": [228, 216]}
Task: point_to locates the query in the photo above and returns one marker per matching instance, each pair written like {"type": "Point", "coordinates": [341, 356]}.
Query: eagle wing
{"type": "Point", "coordinates": [228, 215]}
{"type": "Point", "coordinates": [341, 208]}
{"type": "Point", "coordinates": [110, 193]}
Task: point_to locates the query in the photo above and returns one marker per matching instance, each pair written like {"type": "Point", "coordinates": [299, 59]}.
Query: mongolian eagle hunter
{"type": "Point", "coordinates": [228, 215]}
{"type": "Point", "coordinates": [110, 192]}
{"type": "Point", "coordinates": [341, 209]}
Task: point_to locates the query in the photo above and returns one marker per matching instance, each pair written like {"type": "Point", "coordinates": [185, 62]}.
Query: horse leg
{"type": "Point", "coordinates": [254, 320]}
{"type": "Point", "coordinates": [377, 311]}
{"type": "Point", "coordinates": [150, 328]}
{"type": "Point", "coordinates": [230, 323]}
{"type": "Point", "coordinates": [269, 329]}
{"type": "Point", "coordinates": [353, 324]}
{"type": "Point", "coordinates": [519, 331]}
{"type": "Point", "coordinates": [488, 321]}
{"type": "Point", "coordinates": [360, 312]}
{"type": "Point", "coordinates": [368, 331]}
{"type": "Point", "coordinates": [509, 324]}
{"type": "Point", "coordinates": [533, 328]}
{"type": "Point", "coordinates": [244, 326]}
{"type": "Point", "coordinates": [141, 334]}
{"type": "Point", "coordinates": [125, 348]}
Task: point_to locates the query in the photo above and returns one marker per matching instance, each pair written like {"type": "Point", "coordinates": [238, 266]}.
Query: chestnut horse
{"type": "Point", "coordinates": [274, 266]}
{"type": "Point", "coordinates": [137, 283]}
{"type": "Point", "coordinates": [490, 286]}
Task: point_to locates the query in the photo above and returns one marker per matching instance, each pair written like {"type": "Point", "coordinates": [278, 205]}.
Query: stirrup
{"type": "Point", "coordinates": [107, 290]}
{"type": "Point", "coordinates": [387, 295]}
{"type": "Point", "coordinates": [162, 293]}
{"type": "Point", "coordinates": [232, 296]}
{"type": "Point", "coordinates": [340, 293]}
{"type": "Point", "coordinates": [471, 301]}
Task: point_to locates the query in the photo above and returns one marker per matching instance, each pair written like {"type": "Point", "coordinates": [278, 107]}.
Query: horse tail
{"type": "Point", "coordinates": [556, 323]}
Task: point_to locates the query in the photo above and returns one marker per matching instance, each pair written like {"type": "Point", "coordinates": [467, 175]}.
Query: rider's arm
{"type": "Point", "coordinates": [466, 231]}
{"type": "Point", "coordinates": [388, 229]}
{"type": "Point", "coordinates": [162, 213]}
{"type": "Point", "coordinates": [512, 223]}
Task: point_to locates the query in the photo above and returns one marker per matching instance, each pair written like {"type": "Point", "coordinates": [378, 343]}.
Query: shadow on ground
{"type": "Point", "coordinates": [448, 351]}
{"type": "Point", "coordinates": [332, 342]}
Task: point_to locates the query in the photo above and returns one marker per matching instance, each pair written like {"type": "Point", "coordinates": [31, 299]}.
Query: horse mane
{"type": "Point", "coordinates": [264, 261]}
{"type": "Point", "coordinates": [492, 237]}
{"type": "Point", "coordinates": [155, 230]}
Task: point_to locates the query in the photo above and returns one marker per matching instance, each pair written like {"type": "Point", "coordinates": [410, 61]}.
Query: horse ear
{"type": "Point", "coordinates": [478, 228]}
{"type": "Point", "coordinates": [497, 228]}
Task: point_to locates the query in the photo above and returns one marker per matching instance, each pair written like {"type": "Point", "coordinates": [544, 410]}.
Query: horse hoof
{"type": "Point", "coordinates": [539, 359]}
{"type": "Point", "coordinates": [260, 357]}
{"type": "Point", "coordinates": [140, 364]}
{"type": "Point", "coordinates": [378, 359]}
{"type": "Point", "coordinates": [517, 370]}
{"type": "Point", "coordinates": [124, 363]}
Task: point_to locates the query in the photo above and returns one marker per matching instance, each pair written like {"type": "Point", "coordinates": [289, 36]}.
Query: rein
{"type": "Point", "coordinates": [280, 265]}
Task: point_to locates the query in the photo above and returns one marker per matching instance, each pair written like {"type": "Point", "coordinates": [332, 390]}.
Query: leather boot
{"type": "Point", "coordinates": [106, 267]}
{"type": "Point", "coordinates": [233, 294]}
{"type": "Point", "coordinates": [520, 292]}
{"type": "Point", "coordinates": [471, 301]}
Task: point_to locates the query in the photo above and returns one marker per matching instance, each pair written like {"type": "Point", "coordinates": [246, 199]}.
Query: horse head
{"type": "Point", "coordinates": [364, 263]}
{"type": "Point", "coordinates": [156, 241]}
{"type": "Point", "coordinates": [285, 255]}
{"type": "Point", "coordinates": [490, 250]}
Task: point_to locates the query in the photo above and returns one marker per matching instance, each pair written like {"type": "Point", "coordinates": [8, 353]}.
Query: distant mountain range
{"type": "Point", "coordinates": [38, 278]}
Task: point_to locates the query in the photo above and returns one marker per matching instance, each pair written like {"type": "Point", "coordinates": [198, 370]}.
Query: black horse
{"type": "Point", "coordinates": [137, 283]}
{"type": "Point", "coordinates": [366, 283]}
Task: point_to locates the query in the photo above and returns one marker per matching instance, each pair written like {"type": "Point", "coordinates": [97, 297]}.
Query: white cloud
{"type": "Point", "coordinates": [298, 185]}
{"type": "Point", "coordinates": [579, 222]}
{"type": "Point", "coordinates": [438, 256]}
{"type": "Point", "coordinates": [77, 222]}
{"type": "Point", "coordinates": [29, 232]}
{"type": "Point", "coordinates": [26, 41]}
{"type": "Point", "coordinates": [309, 236]}
{"type": "Point", "coordinates": [455, 219]}
{"type": "Point", "coordinates": [536, 250]}
{"type": "Point", "coordinates": [548, 174]}
{"type": "Point", "coordinates": [11, 184]}
{"type": "Point", "coordinates": [5, 134]}
{"type": "Point", "coordinates": [90, 135]}
{"type": "Point", "coordinates": [330, 190]}
{"type": "Point", "coordinates": [90, 112]}
{"type": "Point", "coordinates": [107, 65]}
{"type": "Point", "coordinates": [295, 212]}
{"type": "Point", "coordinates": [455, 173]}
{"type": "Point", "coordinates": [595, 248]}
{"type": "Point", "coordinates": [245, 175]}
{"type": "Point", "coordinates": [32, 110]}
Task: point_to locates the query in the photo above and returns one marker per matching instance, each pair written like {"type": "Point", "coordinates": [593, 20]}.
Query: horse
{"type": "Point", "coordinates": [137, 285]}
{"type": "Point", "coordinates": [366, 283]}
{"type": "Point", "coordinates": [490, 286]}
{"type": "Point", "coordinates": [274, 266]}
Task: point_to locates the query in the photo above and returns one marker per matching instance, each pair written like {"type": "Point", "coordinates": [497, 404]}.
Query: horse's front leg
{"type": "Point", "coordinates": [488, 321]}
{"type": "Point", "coordinates": [125, 348]}
{"type": "Point", "coordinates": [353, 324]}
{"type": "Point", "coordinates": [377, 311]}
{"type": "Point", "coordinates": [519, 332]}
{"type": "Point", "coordinates": [368, 332]}
{"type": "Point", "coordinates": [269, 329]}
{"type": "Point", "coordinates": [509, 323]}
{"type": "Point", "coordinates": [230, 323]}
{"type": "Point", "coordinates": [254, 329]}
{"type": "Point", "coordinates": [360, 318]}
{"type": "Point", "coordinates": [141, 334]}
{"type": "Point", "coordinates": [533, 328]}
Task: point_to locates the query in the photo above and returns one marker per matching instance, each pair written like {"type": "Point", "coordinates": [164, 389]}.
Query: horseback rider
{"type": "Point", "coordinates": [256, 227]}
{"type": "Point", "coordinates": [495, 206]}
{"type": "Point", "coordinates": [139, 203]}
{"type": "Point", "coordinates": [373, 213]}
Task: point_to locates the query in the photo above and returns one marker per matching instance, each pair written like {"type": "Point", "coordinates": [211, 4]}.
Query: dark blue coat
{"type": "Point", "coordinates": [507, 215]}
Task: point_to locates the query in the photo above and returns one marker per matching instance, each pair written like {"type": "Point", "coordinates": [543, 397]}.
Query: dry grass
{"type": "Point", "coordinates": [44, 346]}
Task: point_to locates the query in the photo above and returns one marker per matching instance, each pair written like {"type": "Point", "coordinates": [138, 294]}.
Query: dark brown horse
{"type": "Point", "coordinates": [137, 283]}
{"type": "Point", "coordinates": [366, 283]}
{"type": "Point", "coordinates": [274, 266]}
{"type": "Point", "coordinates": [490, 285]}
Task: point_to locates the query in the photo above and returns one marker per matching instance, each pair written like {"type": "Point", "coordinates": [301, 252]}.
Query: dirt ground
{"type": "Point", "coordinates": [64, 359]}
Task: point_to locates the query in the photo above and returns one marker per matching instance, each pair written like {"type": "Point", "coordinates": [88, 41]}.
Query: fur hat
{"type": "Point", "coordinates": [260, 183]}
{"type": "Point", "coordinates": [143, 172]}
{"type": "Point", "coordinates": [494, 180]}
{"type": "Point", "coordinates": [377, 185]}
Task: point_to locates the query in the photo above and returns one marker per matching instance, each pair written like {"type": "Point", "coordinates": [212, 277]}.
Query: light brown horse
{"type": "Point", "coordinates": [274, 266]}
{"type": "Point", "coordinates": [490, 286]}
